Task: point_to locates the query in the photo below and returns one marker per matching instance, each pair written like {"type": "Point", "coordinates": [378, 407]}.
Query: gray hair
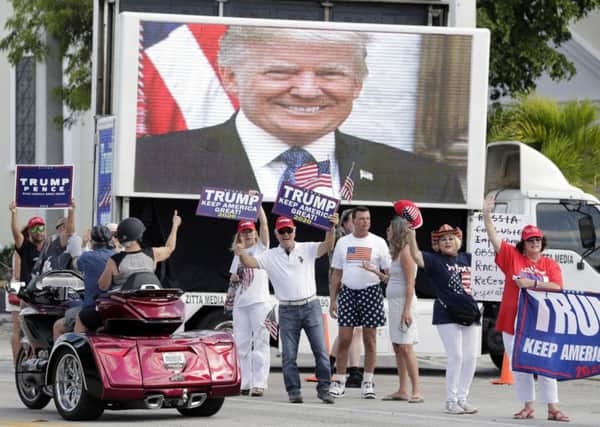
{"type": "Point", "coordinates": [233, 49]}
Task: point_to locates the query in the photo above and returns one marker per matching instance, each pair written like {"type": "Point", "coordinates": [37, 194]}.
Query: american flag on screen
{"type": "Point", "coordinates": [313, 175]}
{"type": "Point", "coordinates": [169, 99]}
{"type": "Point", "coordinates": [358, 253]}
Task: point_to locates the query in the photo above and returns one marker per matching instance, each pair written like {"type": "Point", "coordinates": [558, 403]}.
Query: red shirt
{"type": "Point", "coordinates": [512, 263]}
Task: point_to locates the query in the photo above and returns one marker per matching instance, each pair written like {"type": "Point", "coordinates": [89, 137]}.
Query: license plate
{"type": "Point", "coordinates": [174, 360]}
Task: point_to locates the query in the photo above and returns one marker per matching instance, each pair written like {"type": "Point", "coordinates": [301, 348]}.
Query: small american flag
{"type": "Point", "coordinates": [271, 324]}
{"type": "Point", "coordinates": [357, 253]}
{"type": "Point", "coordinates": [313, 175]}
{"type": "Point", "coordinates": [347, 189]}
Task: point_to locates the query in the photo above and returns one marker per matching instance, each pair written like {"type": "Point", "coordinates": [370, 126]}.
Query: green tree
{"type": "Point", "coordinates": [69, 23]}
{"type": "Point", "coordinates": [524, 38]}
{"type": "Point", "coordinates": [568, 134]}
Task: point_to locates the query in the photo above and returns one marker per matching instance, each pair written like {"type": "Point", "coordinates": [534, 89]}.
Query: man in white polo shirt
{"type": "Point", "coordinates": [356, 299]}
{"type": "Point", "coordinates": [291, 269]}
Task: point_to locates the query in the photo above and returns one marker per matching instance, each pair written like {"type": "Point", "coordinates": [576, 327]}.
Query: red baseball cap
{"type": "Point", "coordinates": [245, 225]}
{"type": "Point", "coordinates": [36, 220]}
{"type": "Point", "coordinates": [410, 212]}
{"type": "Point", "coordinates": [283, 222]}
{"type": "Point", "coordinates": [530, 231]}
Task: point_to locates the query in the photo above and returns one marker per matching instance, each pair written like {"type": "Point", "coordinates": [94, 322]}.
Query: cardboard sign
{"type": "Point", "coordinates": [306, 206]}
{"type": "Point", "coordinates": [228, 204]}
{"type": "Point", "coordinates": [487, 280]}
{"type": "Point", "coordinates": [44, 186]}
{"type": "Point", "coordinates": [557, 334]}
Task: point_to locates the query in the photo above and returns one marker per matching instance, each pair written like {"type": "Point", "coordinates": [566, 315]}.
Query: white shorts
{"type": "Point", "coordinates": [398, 334]}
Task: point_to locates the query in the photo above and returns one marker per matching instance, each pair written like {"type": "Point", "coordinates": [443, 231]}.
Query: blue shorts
{"type": "Point", "coordinates": [362, 307]}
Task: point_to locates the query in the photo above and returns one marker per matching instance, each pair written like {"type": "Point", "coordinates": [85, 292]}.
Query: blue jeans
{"type": "Point", "coordinates": [292, 319]}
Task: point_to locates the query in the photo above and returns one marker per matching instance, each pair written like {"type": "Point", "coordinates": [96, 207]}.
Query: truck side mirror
{"type": "Point", "coordinates": [587, 232]}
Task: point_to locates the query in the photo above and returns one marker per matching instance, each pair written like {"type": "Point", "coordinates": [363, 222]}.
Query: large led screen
{"type": "Point", "coordinates": [371, 113]}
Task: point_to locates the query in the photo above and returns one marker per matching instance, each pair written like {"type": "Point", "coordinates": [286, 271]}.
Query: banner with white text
{"type": "Point", "coordinates": [305, 206]}
{"type": "Point", "coordinates": [229, 204]}
{"type": "Point", "coordinates": [557, 334]}
{"type": "Point", "coordinates": [44, 186]}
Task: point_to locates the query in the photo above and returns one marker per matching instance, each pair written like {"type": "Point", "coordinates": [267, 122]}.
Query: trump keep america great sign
{"type": "Point", "coordinates": [557, 334]}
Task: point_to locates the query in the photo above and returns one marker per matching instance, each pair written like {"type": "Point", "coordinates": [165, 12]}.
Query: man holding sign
{"type": "Point", "coordinates": [291, 269]}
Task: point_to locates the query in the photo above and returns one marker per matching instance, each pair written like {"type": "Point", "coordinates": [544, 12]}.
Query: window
{"type": "Point", "coordinates": [560, 225]}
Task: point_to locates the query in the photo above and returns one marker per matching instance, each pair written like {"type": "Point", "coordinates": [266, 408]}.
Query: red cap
{"type": "Point", "coordinates": [36, 220]}
{"type": "Point", "coordinates": [410, 212]}
{"type": "Point", "coordinates": [446, 229]}
{"type": "Point", "coordinates": [283, 222]}
{"type": "Point", "coordinates": [245, 225]}
{"type": "Point", "coordinates": [530, 231]}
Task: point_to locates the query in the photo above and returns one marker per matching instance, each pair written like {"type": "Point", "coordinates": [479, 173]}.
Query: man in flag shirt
{"type": "Point", "coordinates": [295, 88]}
{"type": "Point", "coordinates": [291, 269]}
{"type": "Point", "coordinates": [356, 299]}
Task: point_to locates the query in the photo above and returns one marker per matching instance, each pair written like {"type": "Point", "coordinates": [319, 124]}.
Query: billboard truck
{"type": "Point", "coordinates": [387, 112]}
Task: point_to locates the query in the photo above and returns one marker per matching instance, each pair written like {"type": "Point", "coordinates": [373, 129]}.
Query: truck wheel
{"type": "Point", "coordinates": [218, 321]}
{"type": "Point", "coordinates": [70, 396]}
{"type": "Point", "coordinates": [208, 408]}
{"type": "Point", "coordinates": [31, 395]}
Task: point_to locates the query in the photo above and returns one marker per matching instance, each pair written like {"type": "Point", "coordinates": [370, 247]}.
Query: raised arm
{"type": "Point", "coordinates": [164, 252]}
{"type": "Point", "coordinates": [329, 242]}
{"type": "Point", "coordinates": [71, 219]}
{"type": "Point", "coordinates": [488, 205]}
{"type": "Point", "coordinates": [263, 227]}
{"type": "Point", "coordinates": [415, 253]}
{"type": "Point", "coordinates": [14, 226]}
{"type": "Point", "coordinates": [245, 258]}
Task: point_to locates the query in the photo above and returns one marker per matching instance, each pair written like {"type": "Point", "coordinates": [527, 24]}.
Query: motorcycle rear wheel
{"type": "Point", "coordinates": [70, 396]}
{"type": "Point", "coordinates": [208, 408]}
{"type": "Point", "coordinates": [32, 396]}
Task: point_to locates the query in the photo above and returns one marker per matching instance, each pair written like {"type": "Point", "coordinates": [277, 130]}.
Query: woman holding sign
{"type": "Point", "coordinates": [250, 307]}
{"type": "Point", "coordinates": [524, 267]}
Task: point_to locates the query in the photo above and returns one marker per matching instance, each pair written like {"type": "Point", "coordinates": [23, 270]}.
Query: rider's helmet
{"type": "Point", "coordinates": [130, 230]}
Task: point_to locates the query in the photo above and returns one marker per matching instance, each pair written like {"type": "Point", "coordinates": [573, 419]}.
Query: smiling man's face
{"type": "Point", "coordinates": [297, 92]}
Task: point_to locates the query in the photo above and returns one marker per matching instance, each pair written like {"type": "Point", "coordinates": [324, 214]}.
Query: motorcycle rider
{"type": "Point", "coordinates": [133, 259]}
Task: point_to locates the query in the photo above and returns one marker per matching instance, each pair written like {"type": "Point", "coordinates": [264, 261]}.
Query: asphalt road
{"type": "Point", "coordinates": [496, 403]}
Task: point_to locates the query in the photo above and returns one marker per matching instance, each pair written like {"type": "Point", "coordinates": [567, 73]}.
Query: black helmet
{"type": "Point", "coordinates": [130, 229]}
{"type": "Point", "coordinates": [101, 235]}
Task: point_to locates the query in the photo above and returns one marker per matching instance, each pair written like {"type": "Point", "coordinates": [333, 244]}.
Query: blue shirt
{"type": "Point", "coordinates": [92, 264]}
{"type": "Point", "coordinates": [440, 268]}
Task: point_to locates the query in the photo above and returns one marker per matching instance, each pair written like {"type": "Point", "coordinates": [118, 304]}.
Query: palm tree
{"type": "Point", "coordinates": [568, 134]}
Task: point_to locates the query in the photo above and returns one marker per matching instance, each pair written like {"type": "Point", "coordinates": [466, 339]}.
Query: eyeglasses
{"type": "Point", "coordinates": [534, 239]}
{"type": "Point", "coordinates": [38, 229]}
{"type": "Point", "coordinates": [285, 230]}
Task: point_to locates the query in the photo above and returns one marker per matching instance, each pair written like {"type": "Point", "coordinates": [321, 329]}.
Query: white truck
{"type": "Point", "coordinates": [426, 92]}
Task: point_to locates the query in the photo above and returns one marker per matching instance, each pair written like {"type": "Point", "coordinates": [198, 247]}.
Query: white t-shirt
{"type": "Point", "coordinates": [254, 283]}
{"type": "Point", "coordinates": [293, 275]}
{"type": "Point", "coordinates": [349, 254]}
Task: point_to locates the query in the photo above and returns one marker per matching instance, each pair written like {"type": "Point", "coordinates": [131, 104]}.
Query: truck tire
{"type": "Point", "coordinates": [217, 320]}
{"type": "Point", "coordinates": [208, 408]}
{"type": "Point", "coordinates": [71, 399]}
{"type": "Point", "coordinates": [32, 396]}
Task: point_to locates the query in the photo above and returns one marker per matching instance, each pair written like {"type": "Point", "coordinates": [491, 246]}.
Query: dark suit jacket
{"type": "Point", "coordinates": [184, 162]}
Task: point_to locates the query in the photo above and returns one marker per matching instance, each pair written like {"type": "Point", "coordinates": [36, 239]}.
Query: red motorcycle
{"type": "Point", "coordinates": [135, 361]}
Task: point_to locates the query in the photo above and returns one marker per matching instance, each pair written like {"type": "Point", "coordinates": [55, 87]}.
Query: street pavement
{"type": "Point", "coordinates": [580, 400]}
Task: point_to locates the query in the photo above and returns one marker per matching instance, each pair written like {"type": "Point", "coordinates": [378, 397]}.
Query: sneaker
{"type": "Point", "coordinates": [368, 390]}
{"type": "Point", "coordinates": [257, 392]}
{"type": "Point", "coordinates": [355, 378]}
{"type": "Point", "coordinates": [326, 397]}
{"type": "Point", "coordinates": [467, 407]}
{"type": "Point", "coordinates": [337, 389]}
{"type": "Point", "coordinates": [452, 407]}
{"type": "Point", "coordinates": [245, 391]}
{"type": "Point", "coordinates": [296, 398]}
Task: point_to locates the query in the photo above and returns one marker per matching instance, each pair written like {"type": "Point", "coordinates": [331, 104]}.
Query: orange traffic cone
{"type": "Point", "coordinates": [314, 379]}
{"type": "Point", "coordinates": [505, 374]}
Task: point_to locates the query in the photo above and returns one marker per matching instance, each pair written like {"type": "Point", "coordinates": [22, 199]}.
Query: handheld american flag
{"type": "Point", "coordinates": [313, 175]}
{"type": "Point", "coordinates": [272, 326]}
{"type": "Point", "coordinates": [347, 189]}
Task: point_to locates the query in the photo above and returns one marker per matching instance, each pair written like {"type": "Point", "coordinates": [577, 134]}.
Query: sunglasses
{"type": "Point", "coordinates": [534, 239]}
{"type": "Point", "coordinates": [285, 230]}
{"type": "Point", "coordinates": [38, 229]}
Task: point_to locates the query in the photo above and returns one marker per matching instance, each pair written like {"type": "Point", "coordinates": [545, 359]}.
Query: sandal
{"type": "Point", "coordinates": [557, 415]}
{"type": "Point", "coordinates": [525, 414]}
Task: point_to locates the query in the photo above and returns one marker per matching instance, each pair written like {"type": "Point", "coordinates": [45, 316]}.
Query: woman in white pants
{"type": "Point", "coordinates": [448, 270]}
{"type": "Point", "coordinates": [250, 308]}
{"type": "Point", "coordinates": [524, 267]}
